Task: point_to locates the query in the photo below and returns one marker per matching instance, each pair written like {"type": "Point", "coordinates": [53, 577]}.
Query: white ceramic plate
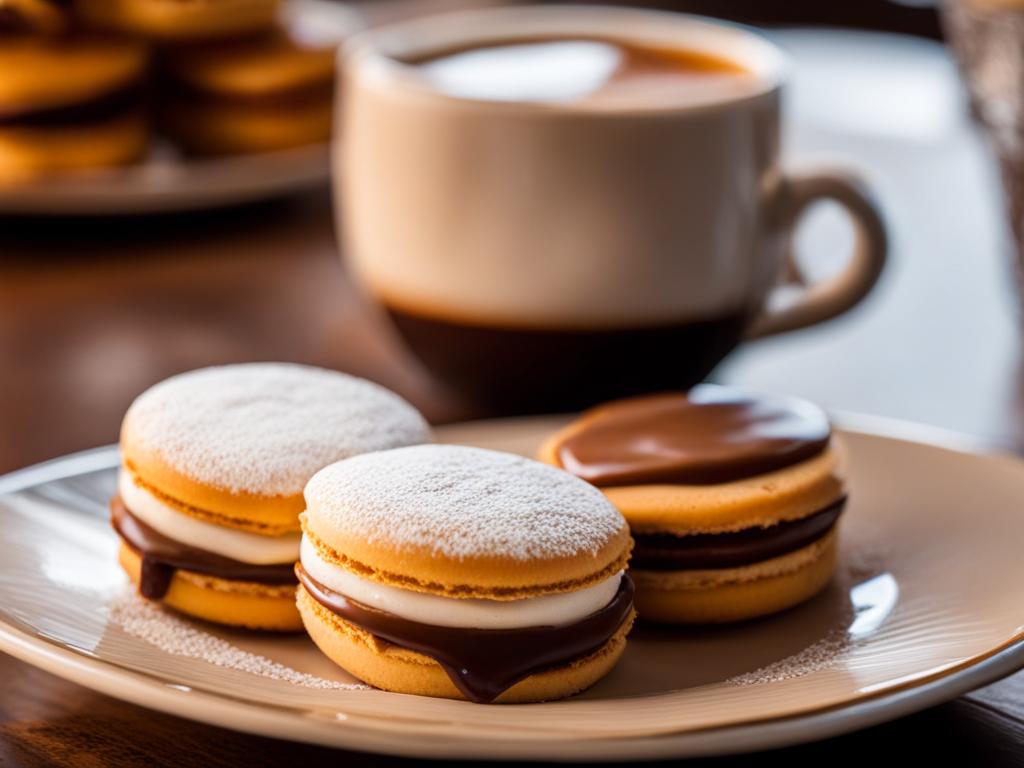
{"type": "Point", "coordinates": [167, 181]}
{"type": "Point", "coordinates": [923, 608]}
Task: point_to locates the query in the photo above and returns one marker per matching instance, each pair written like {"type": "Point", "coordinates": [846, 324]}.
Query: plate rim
{"type": "Point", "coordinates": [265, 720]}
{"type": "Point", "coordinates": [125, 192]}
{"type": "Point", "coordinates": [358, 732]}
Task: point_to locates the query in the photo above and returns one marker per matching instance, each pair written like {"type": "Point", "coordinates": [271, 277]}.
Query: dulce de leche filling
{"type": "Point", "coordinates": [483, 663]}
{"type": "Point", "coordinates": [710, 435]}
{"type": "Point", "coordinates": [700, 551]}
{"type": "Point", "coordinates": [162, 556]}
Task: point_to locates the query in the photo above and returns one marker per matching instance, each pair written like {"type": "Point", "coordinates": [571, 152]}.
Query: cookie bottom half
{"type": "Point", "coordinates": [235, 603]}
{"type": "Point", "coordinates": [393, 668]}
{"type": "Point", "coordinates": [205, 126]}
{"type": "Point", "coordinates": [177, 20]}
{"type": "Point", "coordinates": [735, 594]}
{"type": "Point", "coordinates": [31, 152]}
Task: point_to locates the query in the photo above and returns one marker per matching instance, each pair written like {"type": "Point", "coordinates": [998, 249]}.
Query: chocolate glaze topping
{"type": "Point", "coordinates": [96, 109]}
{"type": "Point", "coordinates": [711, 435]}
{"type": "Point", "coordinates": [161, 556]}
{"type": "Point", "coordinates": [483, 663]}
{"type": "Point", "coordinates": [699, 551]}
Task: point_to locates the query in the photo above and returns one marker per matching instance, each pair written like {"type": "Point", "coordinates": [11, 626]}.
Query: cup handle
{"type": "Point", "coordinates": [831, 297]}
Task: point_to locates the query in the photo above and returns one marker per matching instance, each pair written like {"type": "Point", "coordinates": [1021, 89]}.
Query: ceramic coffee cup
{"type": "Point", "coordinates": [543, 256]}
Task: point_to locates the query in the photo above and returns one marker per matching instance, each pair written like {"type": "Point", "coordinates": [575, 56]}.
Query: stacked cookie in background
{"type": "Point", "coordinates": [88, 83]}
{"type": "Point", "coordinates": [70, 99]}
{"type": "Point", "coordinates": [177, 21]}
{"type": "Point", "coordinates": [258, 93]}
{"type": "Point", "coordinates": [232, 76]}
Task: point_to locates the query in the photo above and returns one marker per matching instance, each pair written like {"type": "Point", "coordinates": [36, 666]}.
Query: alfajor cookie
{"type": "Point", "coordinates": [464, 573]}
{"type": "Point", "coordinates": [263, 93]}
{"type": "Point", "coordinates": [69, 103]}
{"type": "Point", "coordinates": [213, 466]}
{"type": "Point", "coordinates": [179, 19]}
{"type": "Point", "coordinates": [732, 498]}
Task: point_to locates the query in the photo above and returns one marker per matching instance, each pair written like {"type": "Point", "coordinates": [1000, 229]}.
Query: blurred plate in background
{"type": "Point", "coordinates": [169, 181]}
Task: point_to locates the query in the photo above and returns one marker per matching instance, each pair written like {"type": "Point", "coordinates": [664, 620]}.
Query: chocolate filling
{"type": "Point", "coordinates": [162, 556]}
{"type": "Point", "coordinates": [98, 109]}
{"type": "Point", "coordinates": [668, 552]}
{"type": "Point", "coordinates": [710, 435]}
{"type": "Point", "coordinates": [483, 663]}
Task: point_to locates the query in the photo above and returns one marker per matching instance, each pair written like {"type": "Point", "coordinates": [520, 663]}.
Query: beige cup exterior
{"type": "Point", "coordinates": [563, 216]}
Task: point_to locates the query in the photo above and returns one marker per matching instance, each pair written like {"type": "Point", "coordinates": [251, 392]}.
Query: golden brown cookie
{"type": "Point", "coordinates": [207, 125]}
{"type": "Point", "coordinates": [69, 104]}
{"type": "Point", "coordinates": [40, 73]}
{"type": "Point", "coordinates": [210, 490]}
{"type": "Point", "coordinates": [464, 573]}
{"type": "Point", "coordinates": [180, 19]}
{"type": "Point", "coordinates": [267, 92]}
{"type": "Point", "coordinates": [732, 498]}
{"type": "Point", "coordinates": [31, 152]}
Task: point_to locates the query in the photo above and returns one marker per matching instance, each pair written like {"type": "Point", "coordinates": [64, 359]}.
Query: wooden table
{"type": "Point", "coordinates": [91, 313]}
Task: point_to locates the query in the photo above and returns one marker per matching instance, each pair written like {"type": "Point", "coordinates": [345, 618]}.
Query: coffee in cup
{"type": "Point", "coordinates": [598, 72]}
{"type": "Point", "coordinates": [561, 205]}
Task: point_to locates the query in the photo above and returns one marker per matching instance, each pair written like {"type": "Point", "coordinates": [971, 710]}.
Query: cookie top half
{"type": "Point", "coordinates": [242, 440]}
{"type": "Point", "coordinates": [170, 20]}
{"type": "Point", "coordinates": [295, 57]}
{"type": "Point", "coordinates": [464, 522]}
{"type": "Point", "coordinates": [714, 460]}
{"type": "Point", "coordinates": [41, 72]}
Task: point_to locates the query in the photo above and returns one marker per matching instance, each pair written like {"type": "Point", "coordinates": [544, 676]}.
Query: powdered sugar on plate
{"type": "Point", "coordinates": [265, 428]}
{"type": "Point", "coordinates": [177, 637]}
{"type": "Point", "coordinates": [460, 502]}
{"type": "Point", "coordinates": [824, 654]}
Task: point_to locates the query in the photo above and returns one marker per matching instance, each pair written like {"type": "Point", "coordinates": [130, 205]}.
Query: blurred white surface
{"type": "Point", "coordinates": [893, 109]}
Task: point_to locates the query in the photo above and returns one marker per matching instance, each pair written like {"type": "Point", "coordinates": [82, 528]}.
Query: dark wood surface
{"type": "Point", "coordinates": [92, 312]}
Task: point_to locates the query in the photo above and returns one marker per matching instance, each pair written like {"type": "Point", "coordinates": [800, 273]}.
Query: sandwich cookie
{"type": "Point", "coordinates": [179, 19]}
{"type": "Point", "coordinates": [213, 466]}
{"type": "Point", "coordinates": [264, 93]}
{"type": "Point", "coordinates": [69, 103]}
{"type": "Point", "coordinates": [464, 573]}
{"type": "Point", "coordinates": [732, 498]}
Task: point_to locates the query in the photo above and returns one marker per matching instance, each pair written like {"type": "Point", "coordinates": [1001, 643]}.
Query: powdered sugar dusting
{"type": "Point", "coordinates": [172, 635]}
{"type": "Point", "coordinates": [267, 427]}
{"type": "Point", "coordinates": [461, 502]}
{"type": "Point", "coordinates": [821, 655]}
{"type": "Point", "coordinates": [862, 576]}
